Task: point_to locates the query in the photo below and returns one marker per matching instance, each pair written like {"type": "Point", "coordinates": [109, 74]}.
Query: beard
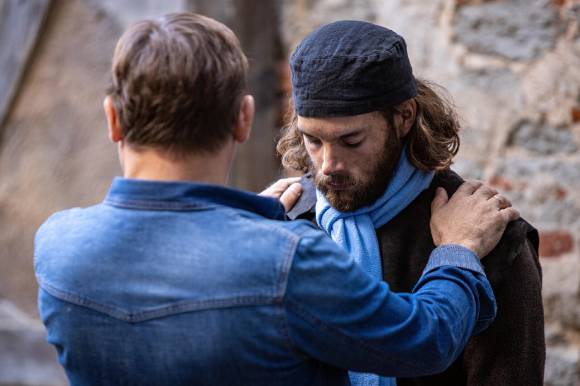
{"type": "Point", "coordinates": [366, 189]}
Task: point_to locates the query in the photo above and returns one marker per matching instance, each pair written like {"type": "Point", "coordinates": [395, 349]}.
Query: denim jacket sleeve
{"type": "Point", "coordinates": [342, 316]}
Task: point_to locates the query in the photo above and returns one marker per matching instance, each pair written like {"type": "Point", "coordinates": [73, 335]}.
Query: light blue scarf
{"type": "Point", "coordinates": [355, 231]}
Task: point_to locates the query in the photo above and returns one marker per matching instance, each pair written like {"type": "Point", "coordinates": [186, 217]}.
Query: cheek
{"type": "Point", "coordinates": [315, 157]}
{"type": "Point", "coordinates": [362, 163]}
{"type": "Point", "coordinates": [362, 166]}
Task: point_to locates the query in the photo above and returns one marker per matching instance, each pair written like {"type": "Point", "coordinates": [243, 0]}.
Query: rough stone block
{"type": "Point", "coordinates": [560, 290]}
{"type": "Point", "coordinates": [526, 168]}
{"type": "Point", "coordinates": [543, 139]}
{"type": "Point", "coordinates": [302, 17]}
{"type": "Point", "coordinates": [516, 29]}
{"type": "Point", "coordinates": [575, 114]}
{"type": "Point", "coordinates": [484, 100]}
{"type": "Point", "coordinates": [555, 243]}
{"type": "Point", "coordinates": [501, 183]}
{"type": "Point", "coordinates": [467, 167]}
{"type": "Point", "coordinates": [562, 366]}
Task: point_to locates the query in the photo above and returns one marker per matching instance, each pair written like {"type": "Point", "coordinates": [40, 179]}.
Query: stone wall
{"type": "Point", "coordinates": [513, 69]}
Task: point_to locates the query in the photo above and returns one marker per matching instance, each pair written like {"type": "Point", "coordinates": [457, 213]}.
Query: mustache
{"type": "Point", "coordinates": [342, 179]}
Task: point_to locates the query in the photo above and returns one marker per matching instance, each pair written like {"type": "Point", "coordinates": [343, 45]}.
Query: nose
{"type": "Point", "coordinates": [331, 162]}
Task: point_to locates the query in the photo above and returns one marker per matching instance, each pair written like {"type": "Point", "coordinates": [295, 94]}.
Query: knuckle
{"type": "Point", "coordinates": [486, 189]}
{"type": "Point", "coordinates": [473, 183]}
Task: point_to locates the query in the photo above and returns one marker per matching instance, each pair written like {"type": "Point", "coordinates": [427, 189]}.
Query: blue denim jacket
{"type": "Point", "coordinates": [188, 284]}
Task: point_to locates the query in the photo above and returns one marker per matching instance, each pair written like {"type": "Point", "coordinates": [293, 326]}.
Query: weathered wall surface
{"type": "Point", "coordinates": [513, 69]}
{"type": "Point", "coordinates": [54, 153]}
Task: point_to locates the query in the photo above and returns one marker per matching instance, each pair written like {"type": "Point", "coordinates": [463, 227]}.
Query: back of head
{"type": "Point", "coordinates": [177, 83]}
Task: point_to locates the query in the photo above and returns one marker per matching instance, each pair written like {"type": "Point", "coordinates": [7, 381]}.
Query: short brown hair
{"type": "Point", "coordinates": [433, 140]}
{"type": "Point", "coordinates": [177, 83]}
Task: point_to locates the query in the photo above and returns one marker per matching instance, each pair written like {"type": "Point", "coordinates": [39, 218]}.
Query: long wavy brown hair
{"type": "Point", "coordinates": [433, 140]}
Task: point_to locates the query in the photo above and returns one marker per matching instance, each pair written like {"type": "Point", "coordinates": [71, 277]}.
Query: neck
{"type": "Point", "coordinates": [152, 164]}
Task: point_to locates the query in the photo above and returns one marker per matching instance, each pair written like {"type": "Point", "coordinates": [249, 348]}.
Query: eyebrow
{"type": "Point", "coordinates": [354, 133]}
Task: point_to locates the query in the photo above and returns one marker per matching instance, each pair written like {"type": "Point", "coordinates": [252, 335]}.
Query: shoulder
{"type": "Point", "coordinates": [519, 244]}
{"type": "Point", "coordinates": [53, 236]}
{"type": "Point", "coordinates": [62, 225]}
{"type": "Point", "coordinates": [70, 224]}
{"type": "Point", "coordinates": [57, 223]}
{"type": "Point", "coordinates": [448, 180]}
{"type": "Point", "coordinates": [519, 230]}
{"type": "Point", "coordinates": [519, 241]}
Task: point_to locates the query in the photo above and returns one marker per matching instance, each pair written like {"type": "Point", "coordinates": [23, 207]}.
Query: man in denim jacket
{"type": "Point", "coordinates": [175, 279]}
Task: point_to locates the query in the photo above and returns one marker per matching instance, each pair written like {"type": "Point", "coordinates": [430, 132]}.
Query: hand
{"type": "Point", "coordinates": [475, 217]}
{"type": "Point", "coordinates": [287, 190]}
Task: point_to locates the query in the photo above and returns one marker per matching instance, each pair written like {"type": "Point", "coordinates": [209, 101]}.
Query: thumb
{"type": "Point", "coordinates": [290, 196]}
{"type": "Point", "coordinates": [440, 199]}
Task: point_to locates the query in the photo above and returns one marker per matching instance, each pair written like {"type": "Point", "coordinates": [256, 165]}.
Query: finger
{"type": "Point", "coordinates": [283, 184]}
{"type": "Point", "coordinates": [290, 196]}
{"type": "Point", "coordinates": [468, 187]}
{"type": "Point", "coordinates": [440, 199]}
{"type": "Point", "coordinates": [278, 187]}
{"type": "Point", "coordinates": [289, 180]}
{"type": "Point", "coordinates": [485, 191]}
{"type": "Point", "coordinates": [509, 214]}
{"type": "Point", "coordinates": [500, 201]}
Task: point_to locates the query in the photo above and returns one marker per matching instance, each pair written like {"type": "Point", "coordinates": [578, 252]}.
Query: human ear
{"type": "Point", "coordinates": [112, 120]}
{"type": "Point", "coordinates": [406, 117]}
{"type": "Point", "coordinates": [245, 119]}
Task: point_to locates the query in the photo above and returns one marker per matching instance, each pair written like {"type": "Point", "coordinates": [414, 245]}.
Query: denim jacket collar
{"type": "Point", "coordinates": [179, 195]}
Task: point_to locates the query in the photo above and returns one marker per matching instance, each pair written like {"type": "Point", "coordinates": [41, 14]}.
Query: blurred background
{"type": "Point", "coordinates": [512, 67]}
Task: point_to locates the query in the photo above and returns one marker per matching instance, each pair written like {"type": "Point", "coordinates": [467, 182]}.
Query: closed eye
{"type": "Point", "coordinates": [311, 140]}
{"type": "Point", "coordinates": [352, 144]}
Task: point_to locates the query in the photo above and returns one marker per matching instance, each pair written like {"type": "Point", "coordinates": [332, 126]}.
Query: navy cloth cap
{"type": "Point", "coordinates": [349, 68]}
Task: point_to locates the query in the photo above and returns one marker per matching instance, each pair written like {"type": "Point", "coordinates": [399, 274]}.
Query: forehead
{"type": "Point", "coordinates": [339, 126]}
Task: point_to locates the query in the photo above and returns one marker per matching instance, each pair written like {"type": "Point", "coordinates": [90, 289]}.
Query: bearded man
{"type": "Point", "coordinates": [377, 143]}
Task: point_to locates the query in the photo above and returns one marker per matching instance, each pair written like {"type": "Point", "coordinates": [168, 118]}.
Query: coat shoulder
{"type": "Point", "coordinates": [512, 244]}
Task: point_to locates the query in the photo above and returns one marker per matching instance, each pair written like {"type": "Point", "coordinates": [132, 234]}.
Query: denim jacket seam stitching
{"type": "Point", "coordinates": [179, 307]}
{"type": "Point", "coordinates": [290, 253]}
{"type": "Point", "coordinates": [273, 275]}
{"type": "Point", "coordinates": [280, 277]}
{"type": "Point", "coordinates": [285, 328]}
{"type": "Point", "coordinates": [81, 301]}
{"type": "Point", "coordinates": [153, 205]}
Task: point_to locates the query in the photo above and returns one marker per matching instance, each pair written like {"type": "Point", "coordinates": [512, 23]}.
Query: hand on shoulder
{"type": "Point", "coordinates": [475, 216]}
